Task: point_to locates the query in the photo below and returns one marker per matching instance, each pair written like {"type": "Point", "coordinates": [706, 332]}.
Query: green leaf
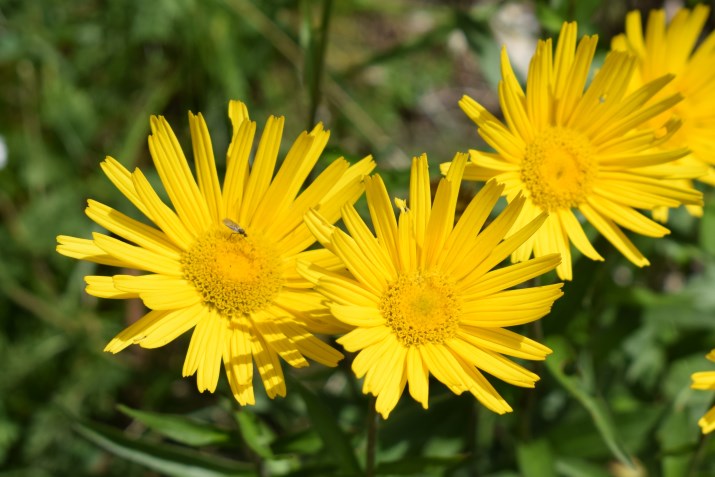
{"type": "Point", "coordinates": [336, 442]}
{"type": "Point", "coordinates": [595, 406]}
{"type": "Point", "coordinates": [536, 459]}
{"type": "Point", "coordinates": [170, 460]}
{"type": "Point", "coordinates": [678, 439]}
{"type": "Point", "coordinates": [570, 467]}
{"type": "Point", "coordinates": [707, 228]}
{"type": "Point", "coordinates": [411, 465]}
{"type": "Point", "coordinates": [255, 433]}
{"type": "Point", "coordinates": [303, 442]}
{"type": "Point", "coordinates": [179, 428]}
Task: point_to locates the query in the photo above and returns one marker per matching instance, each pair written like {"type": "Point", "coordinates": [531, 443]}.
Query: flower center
{"type": "Point", "coordinates": [421, 308]}
{"type": "Point", "coordinates": [558, 169]}
{"type": "Point", "coordinates": [235, 274]}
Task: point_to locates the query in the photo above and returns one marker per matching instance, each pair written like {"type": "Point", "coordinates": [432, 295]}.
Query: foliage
{"type": "Point", "coordinates": [80, 79]}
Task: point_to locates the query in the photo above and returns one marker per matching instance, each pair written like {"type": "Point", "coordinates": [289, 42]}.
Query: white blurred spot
{"type": "Point", "coordinates": [622, 276]}
{"type": "Point", "coordinates": [3, 153]}
{"type": "Point", "coordinates": [515, 26]}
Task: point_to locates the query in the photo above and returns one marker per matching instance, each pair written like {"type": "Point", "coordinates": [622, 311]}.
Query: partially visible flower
{"type": "Point", "coordinates": [425, 297]}
{"type": "Point", "coordinates": [577, 152]}
{"type": "Point", "coordinates": [706, 380]}
{"type": "Point", "coordinates": [671, 49]}
{"type": "Point", "coordinates": [223, 260]}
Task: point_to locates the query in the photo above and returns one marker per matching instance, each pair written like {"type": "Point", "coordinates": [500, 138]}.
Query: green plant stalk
{"type": "Point", "coordinates": [317, 58]}
{"type": "Point", "coordinates": [698, 455]}
{"type": "Point", "coordinates": [372, 421]}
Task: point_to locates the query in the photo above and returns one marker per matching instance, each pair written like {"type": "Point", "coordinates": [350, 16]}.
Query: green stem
{"type": "Point", "coordinates": [697, 458]}
{"type": "Point", "coordinates": [372, 421]}
{"type": "Point", "coordinates": [536, 331]}
{"type": "Point", "coordinates": [473, 438]}
{"type": "Point", "coordinates": [318, 61]}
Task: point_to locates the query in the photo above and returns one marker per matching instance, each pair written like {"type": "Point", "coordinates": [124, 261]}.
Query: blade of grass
{"type": "Point", "coordinates": [170, 460]}
{"type": "Point", "coordinates": [595, 406]}
{"type": "Point", "coordinates": [336, 442]}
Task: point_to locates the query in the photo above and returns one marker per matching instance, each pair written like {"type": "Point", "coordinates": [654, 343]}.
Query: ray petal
{"type": "Point", "coordinates": [494, 364]}
{"type": "Point", "coordinates": [86, 249]}
{"type": "Point", "coordinates": [176, 176]}
{"type": "Point", "coordinates": [263, 166]}
{"type": "Point", "coordinates": [206, 350]}
{"type": "Point", "coordinates": [614, 235]}
{"type": "Point", "coordinates": [132, 230]}
{"type": "Point", "coordinates": [237, 171]}
{"type": "Point", "coordinates": [205, 164]}
{"type": "Point", "coordinates": [504, 341]}
{"type": "Point", "coordinates": [418, 376]}
{"type": "Point", "coordinates": [238, 360]}
{"type": "Point", "coordinates": [277, 340]}
{"type": "Point", "coordinates": [163, 216]}
{"type": "Point", "coordinates": [627, 217]}
{"type": "Point", "coordinates": [122, 180]}
{"type": "Point", "coordinates": [358, 315]}
{"type": "Point", "coordinates": [369, 244]}
{"type": "Point", "coordinates": [507, 277]}
{"type": "Point", "coordinates": [173, 325]}
{"type": "Point", "coordinates": [420, 199]}
{"type": "Point", "coordinates": [103, 287]}
{"type": "Point", "coordinates": [309, 345]}
{"type": "Point", "coordinates": [137, 257]}
{"type": "Point", "coordinates": [361, 338]}
{"type": "Point", "coordinates": [269, 367]}
{"type": "Point", "coordinates": [383, 217]}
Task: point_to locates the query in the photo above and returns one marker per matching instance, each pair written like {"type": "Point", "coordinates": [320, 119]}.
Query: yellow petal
{"type": "Point", "coordinates": [132, 230]}
{"type": "Point", "coordinates": [361, 338]}
{"type": "Point", "coordinates": [263, 165]}
{"type": "Point", "coordinates": [507, 277]}
{"type": "Point", "coordinates": [269, 367]}
{"type": "Point", "coordinates": [137, 257]}
{"type": "Point", "coordinates": [206, 167]}
{"type": "Point", "coordinates": [418, 377]}
{"type": "Point", "coordinates": [206, 350]}
{"type": "Point", "coordinates": [277, 341]}
{"type": "Point", "coordinates": [103, 287]}
{"type": "Point", "coordinates": [176, 176]}
{"type": "Point", "coordinates": [238, 360]}
{"type": "Point", "coordinates": [614, 235]}
{"type": "Point", "coordinates": [358, 315]}
{"type": "Point", "coordinates": [85, 249]}
{"type": "Point", "coordinates": [383, 217]}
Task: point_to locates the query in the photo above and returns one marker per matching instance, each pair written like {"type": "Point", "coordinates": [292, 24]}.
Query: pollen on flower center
{"type": "Point", "coordinates": [421, 308]}
{"type": "Point", "coordinates": [559, 169]}
{"type": "Point", "coordinates": [235, 274]}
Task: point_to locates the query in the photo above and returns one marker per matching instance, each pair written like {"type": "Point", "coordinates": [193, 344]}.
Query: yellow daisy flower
{"type": "Point", "coordinates": [706, 380]}
{"type": "Point", "coordinates": [671, 49]}
{"type": "Point", "coordinates": [570, 148]}
{"type": "Point", "coordinates": [424, 298]}
{"type": "Point", "coordinates": [223, 260]}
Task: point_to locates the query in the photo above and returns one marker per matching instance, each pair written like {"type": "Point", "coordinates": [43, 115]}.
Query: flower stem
{"type": "Point", "coordinates": [372, 421]}
{"type": "Point", "coordinates": [318, 46]}
{"type": "Point", "coordinates": [697, 457]}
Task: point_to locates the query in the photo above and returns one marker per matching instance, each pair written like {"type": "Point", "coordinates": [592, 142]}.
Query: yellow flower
{"type": "Point", "coordinates": [424, 298]}
{"type": "Point", "coordinates": [670, 49]}
{"type": "Point", "coordinates": [223, 260]}
{"type": "Point", "coordinates": [568, 148]}
{"type": "Point", "coordinates": [706, 380]}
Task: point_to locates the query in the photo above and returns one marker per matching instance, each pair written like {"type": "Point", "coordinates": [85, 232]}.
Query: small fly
{"type": "Point", "coordinates": [234, 227]}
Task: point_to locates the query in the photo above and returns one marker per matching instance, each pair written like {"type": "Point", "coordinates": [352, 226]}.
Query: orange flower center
{"type": "Point", "coordinates": [559, 169]}
{"type": "Point", "coordinates": [421, 308]}
{"type": "Point", "coordinates": [236, 274]}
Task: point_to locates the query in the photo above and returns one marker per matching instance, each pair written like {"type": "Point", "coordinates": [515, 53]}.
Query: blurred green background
{"type": "Point", "coordinates": [79, 80]}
